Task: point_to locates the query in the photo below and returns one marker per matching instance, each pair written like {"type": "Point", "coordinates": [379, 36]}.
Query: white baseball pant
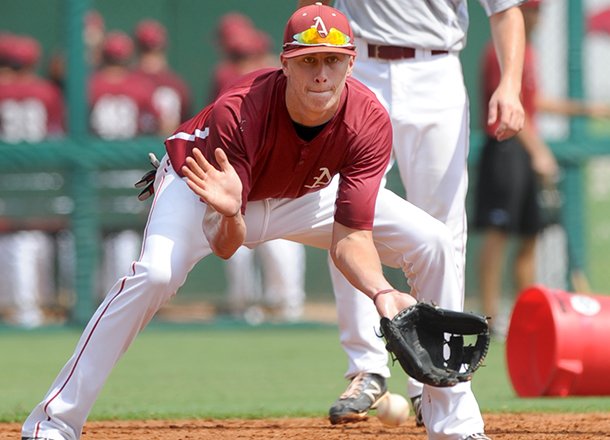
{"type": "Point", "coordinates": [428, 106]}
{"type": "Point", "coordinates": [404, 235]}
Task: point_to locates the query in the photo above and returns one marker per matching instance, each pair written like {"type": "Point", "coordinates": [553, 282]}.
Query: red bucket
{"type": "Point", "coordinates": [558, 344]}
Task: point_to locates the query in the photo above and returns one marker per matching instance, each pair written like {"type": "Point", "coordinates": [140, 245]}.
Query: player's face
{"type": "Point", "coordinates": [314, 86]}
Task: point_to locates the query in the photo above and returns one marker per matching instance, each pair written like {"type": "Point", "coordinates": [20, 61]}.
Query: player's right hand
{"type": "Point", "coordinates": [220, 189]}
{"type": "Point", "coordinates": [506, 111]}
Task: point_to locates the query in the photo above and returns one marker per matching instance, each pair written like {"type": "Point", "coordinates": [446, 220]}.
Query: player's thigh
{"type": "Point", "coordinates": [173, 237]}
{"type": "Point", "coordinates": [402, 232]}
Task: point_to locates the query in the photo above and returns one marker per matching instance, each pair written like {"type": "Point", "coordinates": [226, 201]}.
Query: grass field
{"type": "Point", "coordinates": [227, 372]}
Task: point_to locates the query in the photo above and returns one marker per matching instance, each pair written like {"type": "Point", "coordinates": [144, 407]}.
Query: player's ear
{"type": "Point", "coordinates": [284, 62]}
{"type": "Point", "coordinates": [350, 65]}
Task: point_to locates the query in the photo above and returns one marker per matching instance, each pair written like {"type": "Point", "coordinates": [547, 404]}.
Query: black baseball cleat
{"type": "Point", "coordinates": [363, 393]}
{"type": "Point", "coordinates": [479, 436]}
{"type": "Point", "coordinates": [34, 438]}
{"type": "Point", "coordinates": [416, 405]}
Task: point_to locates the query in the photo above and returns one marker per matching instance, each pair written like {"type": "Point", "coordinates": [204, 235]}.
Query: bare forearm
{"type": "Point", "coordinates": [360, 266]}
{"type": "Point", "coordinates": [354, 254]}
{"type": "Point", "coordinates": [508, 35]}
{"type": "Point", "coordinates": [225, 234]}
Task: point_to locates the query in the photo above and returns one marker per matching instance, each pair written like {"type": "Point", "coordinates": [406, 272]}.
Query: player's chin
{"type": "Point", "coordinates": [321, 101]}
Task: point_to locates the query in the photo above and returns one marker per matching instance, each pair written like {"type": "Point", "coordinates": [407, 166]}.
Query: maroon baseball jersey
{"type": "Point", "coordinates": [251, 123]}
{"type": "Point", "coordinates": [490, 79]}
{"type": "Point", "coordinates": [121, 105]}
{"type": "Point", "coordinates": [171, 97]}
{"type": "Point", "coordinates": [31, 109]}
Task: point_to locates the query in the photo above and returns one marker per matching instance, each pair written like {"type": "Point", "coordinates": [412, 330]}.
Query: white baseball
{"type": "Point", "coordinates": [393, 410]}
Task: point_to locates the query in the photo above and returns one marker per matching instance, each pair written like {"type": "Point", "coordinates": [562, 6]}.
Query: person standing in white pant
{"type": "Point", "coordinates": [408, 54]}
{"type": "Point", "coordinates": [257, 165]}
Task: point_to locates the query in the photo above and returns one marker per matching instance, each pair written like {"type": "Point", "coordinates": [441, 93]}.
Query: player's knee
{"type": "Point", "coordinates": [158, 280]}
{"type": "Point", "coordinates": [439, 240]}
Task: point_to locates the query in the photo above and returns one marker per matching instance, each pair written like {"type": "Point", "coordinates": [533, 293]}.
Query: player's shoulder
{"type": "Point", "coordinates": [258, 81]}
{"type": "Point", "coordinates": [251, 92]}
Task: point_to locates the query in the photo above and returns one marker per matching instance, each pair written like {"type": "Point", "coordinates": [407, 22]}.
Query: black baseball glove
{"type": "Point", "coordinates": [428, 342]}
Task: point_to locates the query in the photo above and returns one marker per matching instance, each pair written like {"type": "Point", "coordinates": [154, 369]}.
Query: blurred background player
{"type": "Point", "coordinates": [277, 291]}
{"type": "Point", "coordinates": [94, 33]}
{"type": "Point", "coordinates": [121, 107]}
{"type": "Point", "coordinates": [31, 110]}
{"type": "Point", "coordinates": [511, 174]}
{"type": "Point", "coordinates": [171, 96]}
{"type": "Point", "coordinates": [243, 49]}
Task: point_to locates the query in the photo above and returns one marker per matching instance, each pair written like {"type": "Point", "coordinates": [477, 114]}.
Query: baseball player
{"type": "Point", "coordinates": [171, 95]}
{"type": "Point", "coordinates": [121, 107]}
{"type": "Point", "coordinates": [408, 54]}
{"type": "Point", "coordinates": [120, 101]}
{"type": "Point", "coordinates": [296, 153]}
{"type": "Point", "coordinates": [31, 110]}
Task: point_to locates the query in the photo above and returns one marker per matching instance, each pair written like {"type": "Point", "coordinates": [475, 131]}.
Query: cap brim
{"type": "Point", "coordinates": [297, 51]}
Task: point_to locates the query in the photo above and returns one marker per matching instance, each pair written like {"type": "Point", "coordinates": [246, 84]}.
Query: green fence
{"type": "Point", "coordinates": [76, 169]}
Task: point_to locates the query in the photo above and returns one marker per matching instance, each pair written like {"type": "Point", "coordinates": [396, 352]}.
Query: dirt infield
{"type": "Point", "coordinates": [499, 427]}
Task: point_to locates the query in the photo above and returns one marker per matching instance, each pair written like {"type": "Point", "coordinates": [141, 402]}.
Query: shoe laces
{"type": "Point", "coordinates": [355, 387]}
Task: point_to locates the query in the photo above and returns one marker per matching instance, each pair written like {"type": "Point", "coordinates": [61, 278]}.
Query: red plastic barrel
{"type": "Point", "coordinates": [558, 343]}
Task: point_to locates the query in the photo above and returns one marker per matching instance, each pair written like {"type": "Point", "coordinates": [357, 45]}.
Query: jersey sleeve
{"type": "Point", "coordinates": [225, 132]}
{"type": "Point", "coordinates": [361, 179]}
{"type": "Point", "coordinates": [216, 126]}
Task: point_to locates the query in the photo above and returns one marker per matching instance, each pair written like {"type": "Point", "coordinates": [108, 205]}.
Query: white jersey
{"type": "Point", "coordinates": [430, 24]}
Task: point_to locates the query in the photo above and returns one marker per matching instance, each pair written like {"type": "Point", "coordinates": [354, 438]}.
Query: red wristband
{"type": "Point", "coordinates": [381, 292]}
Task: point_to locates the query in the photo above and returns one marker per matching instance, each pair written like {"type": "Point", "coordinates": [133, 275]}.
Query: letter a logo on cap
{"type": "Point", "coordinates": [320, 27]}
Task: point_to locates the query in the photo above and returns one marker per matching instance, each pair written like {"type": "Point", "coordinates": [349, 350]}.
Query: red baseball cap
{"type": "Point", "coordinates": [318, 28]}
{"type": "Point", "coordinates": [23, 50]}
{"type": "Point", "coordinates": [117, 46]}
{"type": "Point", "coordinates": [151, 34]}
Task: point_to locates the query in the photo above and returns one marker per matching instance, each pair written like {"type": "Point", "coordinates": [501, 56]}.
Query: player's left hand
{"type": "Point", "coordinates": [506, 110]}
{"type": "Point", "coordinates": [220, 189]}
{"type": "Point", "coordinates": [390, 303]}
{"type": "Point", "coordinates": [416, 337]}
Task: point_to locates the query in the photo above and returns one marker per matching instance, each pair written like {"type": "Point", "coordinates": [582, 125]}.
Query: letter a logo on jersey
{"type": "Point", "coordinates": [320, 26]}
{"type": "Point", "coordinates": [322, 180]}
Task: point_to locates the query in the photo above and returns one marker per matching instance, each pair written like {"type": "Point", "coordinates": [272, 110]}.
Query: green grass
{"type": "Point", "coordinates": [205, 371]}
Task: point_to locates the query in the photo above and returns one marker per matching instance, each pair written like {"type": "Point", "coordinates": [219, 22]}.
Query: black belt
{"type": "Point", "coordinates": [396, 52]}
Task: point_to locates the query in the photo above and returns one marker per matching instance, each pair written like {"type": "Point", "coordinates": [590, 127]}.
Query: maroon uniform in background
{"type": "Point", "coordinates": [121, 105]}
{"type": "Point", "coordinates": [31, 110]}
{"type": "Point", "coordinates": [120, 101]}
{"type": "Point", "coordinates": [171, 96]}
{"type": "Point", "coordinates": [31, 107]}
